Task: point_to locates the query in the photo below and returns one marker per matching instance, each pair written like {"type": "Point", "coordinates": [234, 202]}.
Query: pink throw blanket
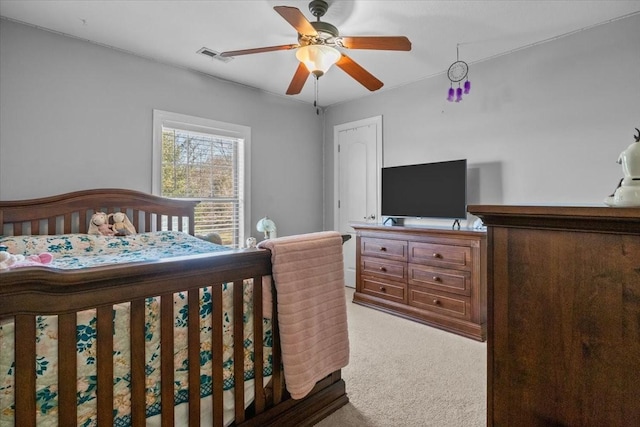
{"type": "Point", "coordinates": [309, 278]}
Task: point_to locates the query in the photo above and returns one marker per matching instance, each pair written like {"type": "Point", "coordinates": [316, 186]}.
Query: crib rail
{"type": "Point", "coordinates": [71, 212]}
{"type": "Point", "coordinates": [26, 294]}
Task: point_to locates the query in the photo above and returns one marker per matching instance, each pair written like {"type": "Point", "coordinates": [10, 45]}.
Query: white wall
{"type": "Point", "coordinates": [74, 115]}
{"type": "Point", "coordinates": [542, 125]}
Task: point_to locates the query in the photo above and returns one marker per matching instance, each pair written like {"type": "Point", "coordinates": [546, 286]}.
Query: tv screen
{"type": "Point", "coordinates": [428, 190]}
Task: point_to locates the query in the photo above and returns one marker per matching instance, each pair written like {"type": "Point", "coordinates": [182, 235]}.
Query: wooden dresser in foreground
{"type": "Point", "coordinates": [435, 276]}
{"type": "Point", "coordinates": [563, 315]}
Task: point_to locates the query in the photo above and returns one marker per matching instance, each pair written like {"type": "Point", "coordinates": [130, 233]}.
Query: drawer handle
{"type": "Point", "coordinates": [437, 279]}
{"type": "Point", "coordinates": [383, 269]}
{"type": "Point", "coordinates": [383, 289]}
{"type": "Point", "coordinates": [436, 302]}
{"type": "Point", "coordinates": [383, 249]}
{"type": "Point", "coordinates": [437, 255]}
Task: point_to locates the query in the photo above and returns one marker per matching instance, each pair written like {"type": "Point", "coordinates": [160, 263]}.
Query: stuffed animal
{"type": "Point", "coordinates": [39, 259]}
{"type": "Point", "coordinates": [121, 224]}
{"type": "Point", "coordinates": [7, 260]}
{"type": "Point", "coordinates": [100, 225]}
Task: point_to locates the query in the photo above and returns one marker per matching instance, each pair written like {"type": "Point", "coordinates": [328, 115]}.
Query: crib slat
{"type": "Point", "coordinates": [158, 222]}
{"type": "Point", "coordinates": [67, 223]}
{"type": "Point", "coordinates": [216, 345]}
{"type": "Point", "coordinates": [35, 227]}
{"type": "Point", "coordinates": [25, 380]}
{"type": "Point", "coordinates": [194, 356]}
{"type": "Point", "coordinates": [67, 369]}
{"type": "Point", "coordinates": [82, 221]}
{"type": "Point", "coordinates": [258, 340]}
{"type": "Point", "coordinates": [138, 399]}
{"type": "Point", "coordinates": [147, 222]}
{"type": "Point", "coordinates": [166, 359]}
{"type": "Point", "coordinates": [135, 219]}
{"type": "Point", "coordinates": [238, 349]}
{"type": "Point", "coordinates": [104, 327]}
{"type": "Point", "coordinates": [17, 228]}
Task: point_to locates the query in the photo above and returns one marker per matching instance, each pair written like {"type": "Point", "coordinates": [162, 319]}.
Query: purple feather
{"type": "Point", "coordinates": [451, 94]}
{"type": "Point", "coordinates": [467, 86]}
{"type": "Point", "coordinates": [459, 94]}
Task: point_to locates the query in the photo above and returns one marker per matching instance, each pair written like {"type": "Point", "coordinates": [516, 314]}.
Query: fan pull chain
{"type": "Point", "coordinates": [315, 101]}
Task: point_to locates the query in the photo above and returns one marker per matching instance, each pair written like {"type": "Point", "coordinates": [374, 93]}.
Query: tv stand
{"type": "Point", "coordinates": [435, 276]}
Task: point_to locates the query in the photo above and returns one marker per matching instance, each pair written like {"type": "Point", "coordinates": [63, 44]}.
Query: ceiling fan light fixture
{"type": "Point", "coordinates": [318, 58]}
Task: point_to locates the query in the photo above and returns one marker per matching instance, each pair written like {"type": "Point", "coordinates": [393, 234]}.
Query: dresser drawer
{"type": "Point", "coordinates": [447, 256]}
{"type": "Point", "coordinates": [380, 267]}
{"type": "Point", "coordinates": [447, 304]}
{"type": "Point", "coordinates": [384, 248]}
{"type": "Point", "coordinates": [455, 281]}
{"type": "Point", "coordinates": [385, 289]}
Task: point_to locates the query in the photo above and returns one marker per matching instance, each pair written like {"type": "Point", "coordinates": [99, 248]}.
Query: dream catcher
{"type": "Point", "coordinates": [458, 71]}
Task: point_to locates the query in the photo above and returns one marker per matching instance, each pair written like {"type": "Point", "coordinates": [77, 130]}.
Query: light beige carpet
{"type": "Point", "coordinates": [403, 373]}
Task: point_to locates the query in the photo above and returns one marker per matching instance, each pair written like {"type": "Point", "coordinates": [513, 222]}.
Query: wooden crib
{"type": "Point", "coordinates": [28, 292]}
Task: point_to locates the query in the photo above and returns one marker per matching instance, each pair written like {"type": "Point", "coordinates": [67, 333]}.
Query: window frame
{"type": "Point", "coordinates": [208, 126]}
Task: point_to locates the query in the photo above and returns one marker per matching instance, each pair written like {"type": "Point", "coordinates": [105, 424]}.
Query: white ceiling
{"type": "Point", "coordinates": [172, 31]}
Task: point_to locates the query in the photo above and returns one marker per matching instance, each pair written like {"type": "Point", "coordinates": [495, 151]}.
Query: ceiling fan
{"type": "Point", "coordinates": [316, 47]}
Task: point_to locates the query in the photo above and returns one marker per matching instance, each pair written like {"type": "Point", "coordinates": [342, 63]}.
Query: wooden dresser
{"type": "Point", "coordinates": [435, 276]}
{"type": "Point", "coordinates": [563, 315]}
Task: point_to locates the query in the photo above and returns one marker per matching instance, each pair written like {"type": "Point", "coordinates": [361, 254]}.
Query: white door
{"type": "Point", "coordinates": [358, 148]}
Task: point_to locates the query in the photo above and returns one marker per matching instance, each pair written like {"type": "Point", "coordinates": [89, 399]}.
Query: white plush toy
{"type": "Point", "coordinates": [7, 260]}
{"type": "Point", "coordinates": [121, 224]}
{"type": "Point", "coordinates": [628, 192]}
{"type": "Point", "coordinates": [99, 225]}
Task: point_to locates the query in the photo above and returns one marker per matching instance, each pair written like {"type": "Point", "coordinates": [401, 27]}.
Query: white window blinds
{"type": "Point", "coordinates": [204, 164]}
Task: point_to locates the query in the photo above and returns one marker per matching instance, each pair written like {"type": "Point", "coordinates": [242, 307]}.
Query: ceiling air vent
{"type": "Point", "coordinates": [213, 54]}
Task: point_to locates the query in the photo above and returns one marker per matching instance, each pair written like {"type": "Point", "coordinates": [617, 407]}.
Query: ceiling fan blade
{"type": "Point", "coordinates": [377, 42]}
{"type": "Point", "coordinates": [299, 79]}
{"type": "Point", "coordinates": [364, 77]}
{"type": "Point", "coordinates": [259, 50]}
{"type": "Point", "coordinates": [297, 20]}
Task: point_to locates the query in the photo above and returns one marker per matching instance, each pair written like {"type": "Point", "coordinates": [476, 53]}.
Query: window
{"type": "Point", "coordinates": [207, 160]}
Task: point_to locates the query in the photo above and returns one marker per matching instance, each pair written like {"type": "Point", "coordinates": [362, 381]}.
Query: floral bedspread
{"type": "Point", "coordinates": [71, 251]}
{"type": "Point", "coordinates": [80, 251]}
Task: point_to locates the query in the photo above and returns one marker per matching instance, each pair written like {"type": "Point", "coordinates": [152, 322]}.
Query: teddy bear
{"type": "Point", "coordinates": [100, 225]}
{"type": "Point", "coordinates": [121, 225]}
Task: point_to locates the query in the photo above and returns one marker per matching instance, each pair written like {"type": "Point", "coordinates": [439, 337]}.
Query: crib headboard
{"type": "Point", "coordinates": [71, 212]}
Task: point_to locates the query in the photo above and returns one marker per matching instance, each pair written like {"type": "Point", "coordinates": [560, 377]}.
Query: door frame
{"type": "Point", "coordinates": [377, 121]}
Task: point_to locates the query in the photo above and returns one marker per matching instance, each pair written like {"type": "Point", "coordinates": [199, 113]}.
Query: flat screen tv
{"type": "Point", "coordinates": [427, 190]}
